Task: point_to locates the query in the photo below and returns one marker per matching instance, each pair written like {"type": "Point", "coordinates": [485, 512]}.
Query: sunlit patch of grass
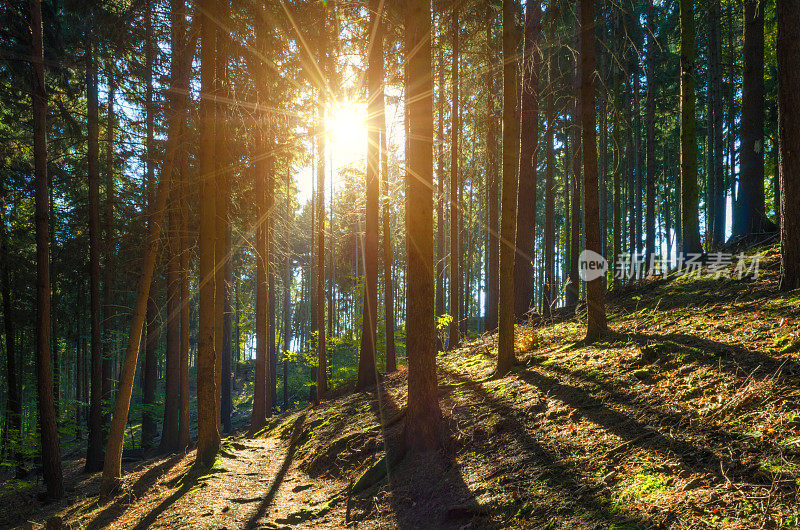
{"type": "Point", "coordinates": [645, 486]}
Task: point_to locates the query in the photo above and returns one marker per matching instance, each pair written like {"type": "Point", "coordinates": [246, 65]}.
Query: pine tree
{"type": "Point", "coordinates": [454, 339]}
{"type": "Point", "coordinates": [595, 289]}
{"type": "Point", "coordinates": [94, 450]}
{"type": "Point", "coordinates": [789, 137]}
{"type": "Point", "coordinates": [51, 456]}
{"type": "Point", "coordinates": [366, 361]}
{"type": "Point", "coordinates": [690, 222]}
{"type": "Point", "coordinates": [423, 416]}
{"type": "Point", "coordinates": [208, 435]}
{"type": "Point", "coordinates": [508, 202]}
{"type": "Point", "coordinates": [529, 144]}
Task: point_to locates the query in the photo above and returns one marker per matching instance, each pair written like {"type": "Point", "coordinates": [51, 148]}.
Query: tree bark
{"type": "Point", "coordinates": [508, 203]}
{"type": "Point", "coordinates": [573, 284]}
{"type": "Point", "coordinates": [272, 383]}
{"type": "Point", "coordinates": [423, 416]}
{"type": "Point", "coordinates": [388, 280]}
{"type": "Point", "coordinates": [716, 178]}
{"type": "Point", "coordinates": [441, 225]}
{"type": "Point", "coordinates": [367, 369]}
{"type": "Point", "coordinates": [149, 367]}
{"type": "Point", "coordinates": [454, 340]}
{"type": "Point", "coordinates": [650, 139]}
{"type": "Point", "coordinates": [208, 435]}
{"type": "Point", "coordinates": [261, 174]}
{"type": "Point", "coordinates": [492, 198]}
{"type": "Point", "coordinates": [788, 139]}
{"type": "Point", "coordinates": [221, 197]}
{"type": "Point", "coordinates": [94, 452]}
{"type": "Point", "coordinates": [595, 289]}
{"type": "Point", "coordinates": [549, 196]}
{"type": "Point", "coordinates": [690, 222]}
{"type": "Point", "coordinates": [287, 291]}
{"type": "Point", "coordinates": [222, 297]}
{"type": "Point", "coordinates": [51, 457]}
{"type": "Point", "coordinates": [529, 145]}
{"type": "Point", "coordinates": [108, 252]}
{"type": "Point", "coordinates": [149, 373]}
{"type": "Point", "coordinates": [172, 376]}
{"type": "Point", "coordinates": [322, 357]}
{"type": "Point", "coordinates": [751, 181]}
{"type": "Point", "coordinates": [181, 95]}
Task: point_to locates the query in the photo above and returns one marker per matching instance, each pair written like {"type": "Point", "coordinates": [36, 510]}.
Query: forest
{"type": "Point", "coordinates": [400, 264]}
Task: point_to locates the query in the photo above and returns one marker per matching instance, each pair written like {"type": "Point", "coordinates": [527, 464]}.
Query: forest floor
{"type": "Point", "coordinates": [687, 415]}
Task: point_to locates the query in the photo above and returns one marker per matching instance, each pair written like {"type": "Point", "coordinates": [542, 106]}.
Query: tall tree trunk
{"type": "Point", "coordinates": [208, 435]}
{"type": "Point", "coordinates": [637, 145]}
{"type": "Point", "coordinates": [789, 139]}
{"type": "Point", "coordinates": [453, 339]}
{"type": "Point", "coordinates": [272, 382]}
{"type": "Point", "coordinates": [388, 281]}
{"type": "Point", "coordinates": [94, 451]}
{"type": "Point", "coordinates": [511, 37]}
{"type": "Point", "coordinates": [221, 197]}
{"type": "Point", "coordinates": [54, 344]}
{"type": "Point", "coordinates": [690, 221]}
{"type": "Point", "coordinates": [149, 367]}
{"type": "Point", "coordinates": [549, 195]}
{"type": "Point", "coordinates": [441, 226]}
{"type": "Point", "coordinates": [149, 373]}
{"type": "Point", "coordinates": [423, 416]}
{"type": "Point", "coordinates": [222, 300]}
{"type": "Point", "coordinates": [529, 145]}
{"type": "Point", "coordinates": [51, 457]}
{"type": "Point", "coordinates": [751, 183]}
{"type": "Point", "coordinates": [169, 428]}
{"type": "Point", "coordinates": [492, 198]}
{"type": "Point", "coordinates": [181, 95]}
{"type": "Point", "coordinates": [730, 94]}
{"type": "Point", "coordinates": [172, 377]}
{"type": "Point", "coordinates": [287, 291]}
{"type": "Point", "coordinates": [650, 139]}
{"type": "Point", "coordinates": [366, 361]}
{"type": "Point", "coordinates": [716, 177]}
{"type": "Point", "coordinates": [595, 289]}
{"type": "Point", "coordinates": [13, 402]}
{"type": "Point", "coordinates": [108, 251]}
{"type": "Point", "coordinates": [322, 357]}
{"type": "Point", "coordinates": [262, 173]}
{"type": "Point", "coordinates": [573, 285]}
{"type": "Point", "coordinates": [630, 162]}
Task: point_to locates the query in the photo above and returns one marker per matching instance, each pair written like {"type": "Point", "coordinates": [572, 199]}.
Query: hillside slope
{"type": "Point", "coordinates": [687, 415]}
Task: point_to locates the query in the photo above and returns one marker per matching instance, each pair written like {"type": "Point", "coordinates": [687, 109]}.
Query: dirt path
{"type": "Point", "coordinates": [255, 483]}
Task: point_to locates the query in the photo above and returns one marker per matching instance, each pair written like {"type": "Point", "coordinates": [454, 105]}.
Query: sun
{"type": "Point", "coordinates": [346, 128]}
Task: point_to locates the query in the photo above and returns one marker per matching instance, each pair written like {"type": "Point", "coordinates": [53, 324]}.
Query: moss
{"type": "Point", "coordinates": [646, 485]}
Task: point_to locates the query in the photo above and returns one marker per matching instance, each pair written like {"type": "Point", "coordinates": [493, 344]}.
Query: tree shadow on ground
{"type": "Point", "coordinates": [735, 360]}
{"type": "Point", "coordinates": [423, 488]}
{"type": "Point", "coordinates": [678, 424]}
{"type": "Point", "coordinates": [269, 496]}
{"type": "Point", "coordinates": [563, 480]}
{"type": "Point", "coordinates": [115, 510]}
{"type": "Point", "coordinates": [632, 431]}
